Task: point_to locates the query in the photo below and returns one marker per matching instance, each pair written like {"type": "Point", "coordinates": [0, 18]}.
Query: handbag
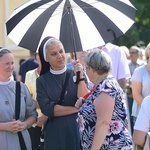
{"type": "Point", "coordinates": [41, 146]}
{"type": "Point", "coordinates": [17, 113]}
{"type": "Point", "coordinates": [146, 145]}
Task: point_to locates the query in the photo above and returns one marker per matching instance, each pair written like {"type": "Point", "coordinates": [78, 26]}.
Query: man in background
{"type": "Point", "coordinates": [120, 69]}
{"type": "Point", "coordinates": [27, 65]}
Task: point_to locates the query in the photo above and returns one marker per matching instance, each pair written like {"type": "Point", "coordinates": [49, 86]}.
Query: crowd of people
{"type": "Point", "coordinates": [103, 111]}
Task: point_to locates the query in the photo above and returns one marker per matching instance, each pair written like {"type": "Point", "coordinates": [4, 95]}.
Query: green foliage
{"type": "Point", "coordinates": [140, 31]}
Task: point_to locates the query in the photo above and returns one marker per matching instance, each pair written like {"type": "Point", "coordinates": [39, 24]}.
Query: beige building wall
{"type": "Point", "coordinates": [6, 8]}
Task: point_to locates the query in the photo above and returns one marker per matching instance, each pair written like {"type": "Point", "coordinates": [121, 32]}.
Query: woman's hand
{"type": "Point", "coordinates": [23, 126]}
{"type": "Point", "coordinates": [78, 67]}
{"type": "Point", "coordinates": [41, 120]}
{"type": "Point", "coordinates": [79, 102]}
{"type": "Point", "coordinates": [15, 126]}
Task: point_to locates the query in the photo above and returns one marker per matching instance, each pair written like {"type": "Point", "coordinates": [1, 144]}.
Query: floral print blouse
{"type": "Point", "coordinates": [117, 137]}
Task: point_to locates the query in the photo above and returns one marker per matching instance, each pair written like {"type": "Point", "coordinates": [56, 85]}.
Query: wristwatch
{"type": "Point", "coordinates": [75, 79]}
{"type": "Point", "coordinates": [81, 79]}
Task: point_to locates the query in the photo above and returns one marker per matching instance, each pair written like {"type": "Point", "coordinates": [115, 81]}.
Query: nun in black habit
{"type": "Point", "coordinates": [62, 131]}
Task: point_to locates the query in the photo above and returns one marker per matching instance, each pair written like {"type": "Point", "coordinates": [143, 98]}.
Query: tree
{"type": "Point", "coordinates": [140, 31]}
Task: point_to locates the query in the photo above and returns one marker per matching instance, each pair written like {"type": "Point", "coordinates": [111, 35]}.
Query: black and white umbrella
{"type": "Point", "coordinates": [79, 24]}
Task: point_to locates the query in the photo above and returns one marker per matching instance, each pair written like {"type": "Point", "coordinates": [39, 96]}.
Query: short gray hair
{"type": "Point", "coordinates": [137, 49]}
{"type": "Point", "coordinates": [98, 60]}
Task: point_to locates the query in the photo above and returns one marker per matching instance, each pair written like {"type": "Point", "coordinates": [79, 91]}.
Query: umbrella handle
{"type": "Point", "coordinates": [77, 77]}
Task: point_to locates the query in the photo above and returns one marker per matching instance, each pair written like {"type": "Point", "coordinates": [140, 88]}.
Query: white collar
{"type": "Point", "coordinates": [5, 83]}
{"type": "Point", "coordinates": [57, 72]}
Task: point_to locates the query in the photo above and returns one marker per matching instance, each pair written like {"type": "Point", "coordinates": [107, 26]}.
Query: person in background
{"type": "Point", "coordinates": [134, 59]}
{"type": "Point", "coordinates": [21, 61]}
{"type": "Point", "coordinates": [80, 57]}
{"type": "Point", "coordinates": [142, 54]}
{"type": "Point", "coordinates": [126, 51]}
{"type": "Point", "coordinates": [102, 116]}
{"type": "Point", "coordinates": [140, 81]}
{"type": "Point", "coordinates": [9, 127]}
{"type": "Point", "coordinates": [27, 65]}
{"type": "Point", "coordinates": [120, 69]}
{"type": "Point", "coordinates": [142, 124]}
{"type": "Point", "coordinates": [14, 72]}
{"type": "Point", "coordinates": [133, 64]}
{"type": "Point", "coordinates": [69, 64]}
{"type": "Point", "coordinates": [30, 81]}
{"type": "Point", "coordinates": [61, 132]}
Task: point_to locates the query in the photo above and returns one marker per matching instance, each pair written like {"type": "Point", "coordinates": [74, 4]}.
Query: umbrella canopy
{"type": "Point", "coordinates": [79, 24]}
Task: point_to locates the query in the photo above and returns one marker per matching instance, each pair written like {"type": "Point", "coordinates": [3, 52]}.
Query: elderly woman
{"type": "Point", "coordinates": [61, 131]}
{"type": "Point", "coordinates": [102, 117]}
{"type": "Point", "coordinates": [140, 83]}
{"type": "Point", "coordinates": [9, 126]}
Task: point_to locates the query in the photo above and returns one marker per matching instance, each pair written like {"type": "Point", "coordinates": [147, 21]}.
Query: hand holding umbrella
{"type": "Point", "coordinates": [78, 69]}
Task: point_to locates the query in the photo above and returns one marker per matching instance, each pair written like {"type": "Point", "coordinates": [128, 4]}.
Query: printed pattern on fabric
{"type": "Point", "coordinates": [117, 137]}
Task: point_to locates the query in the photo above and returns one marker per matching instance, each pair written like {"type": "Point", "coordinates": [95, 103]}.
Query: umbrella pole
{"type": "Point", "coordinates": [73, 41]}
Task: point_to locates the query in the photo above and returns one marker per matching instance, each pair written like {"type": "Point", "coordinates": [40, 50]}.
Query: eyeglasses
{"type": "Point", "coordinates": [133, 52]}
{"type": "Point", "coordinates": [87, 67]}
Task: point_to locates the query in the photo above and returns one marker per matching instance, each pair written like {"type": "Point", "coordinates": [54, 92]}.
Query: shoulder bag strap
{"type": "Point", "coordinates": [17, 113]}
{"type": "Point", "coordinates": [64, 88]}
{"type": "Point", "coordinates": [17, 104]}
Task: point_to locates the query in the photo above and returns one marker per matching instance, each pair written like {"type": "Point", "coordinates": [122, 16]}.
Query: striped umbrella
{"type": "Point", "coordinates": [79, 24]}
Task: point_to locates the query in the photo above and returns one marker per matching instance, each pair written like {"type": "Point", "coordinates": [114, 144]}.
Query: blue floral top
{"type": "Point", "coordinates": [117, 137]}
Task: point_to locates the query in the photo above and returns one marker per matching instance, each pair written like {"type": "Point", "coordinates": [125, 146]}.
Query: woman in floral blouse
{"type": "Point", "coordinates": [102, 117]}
